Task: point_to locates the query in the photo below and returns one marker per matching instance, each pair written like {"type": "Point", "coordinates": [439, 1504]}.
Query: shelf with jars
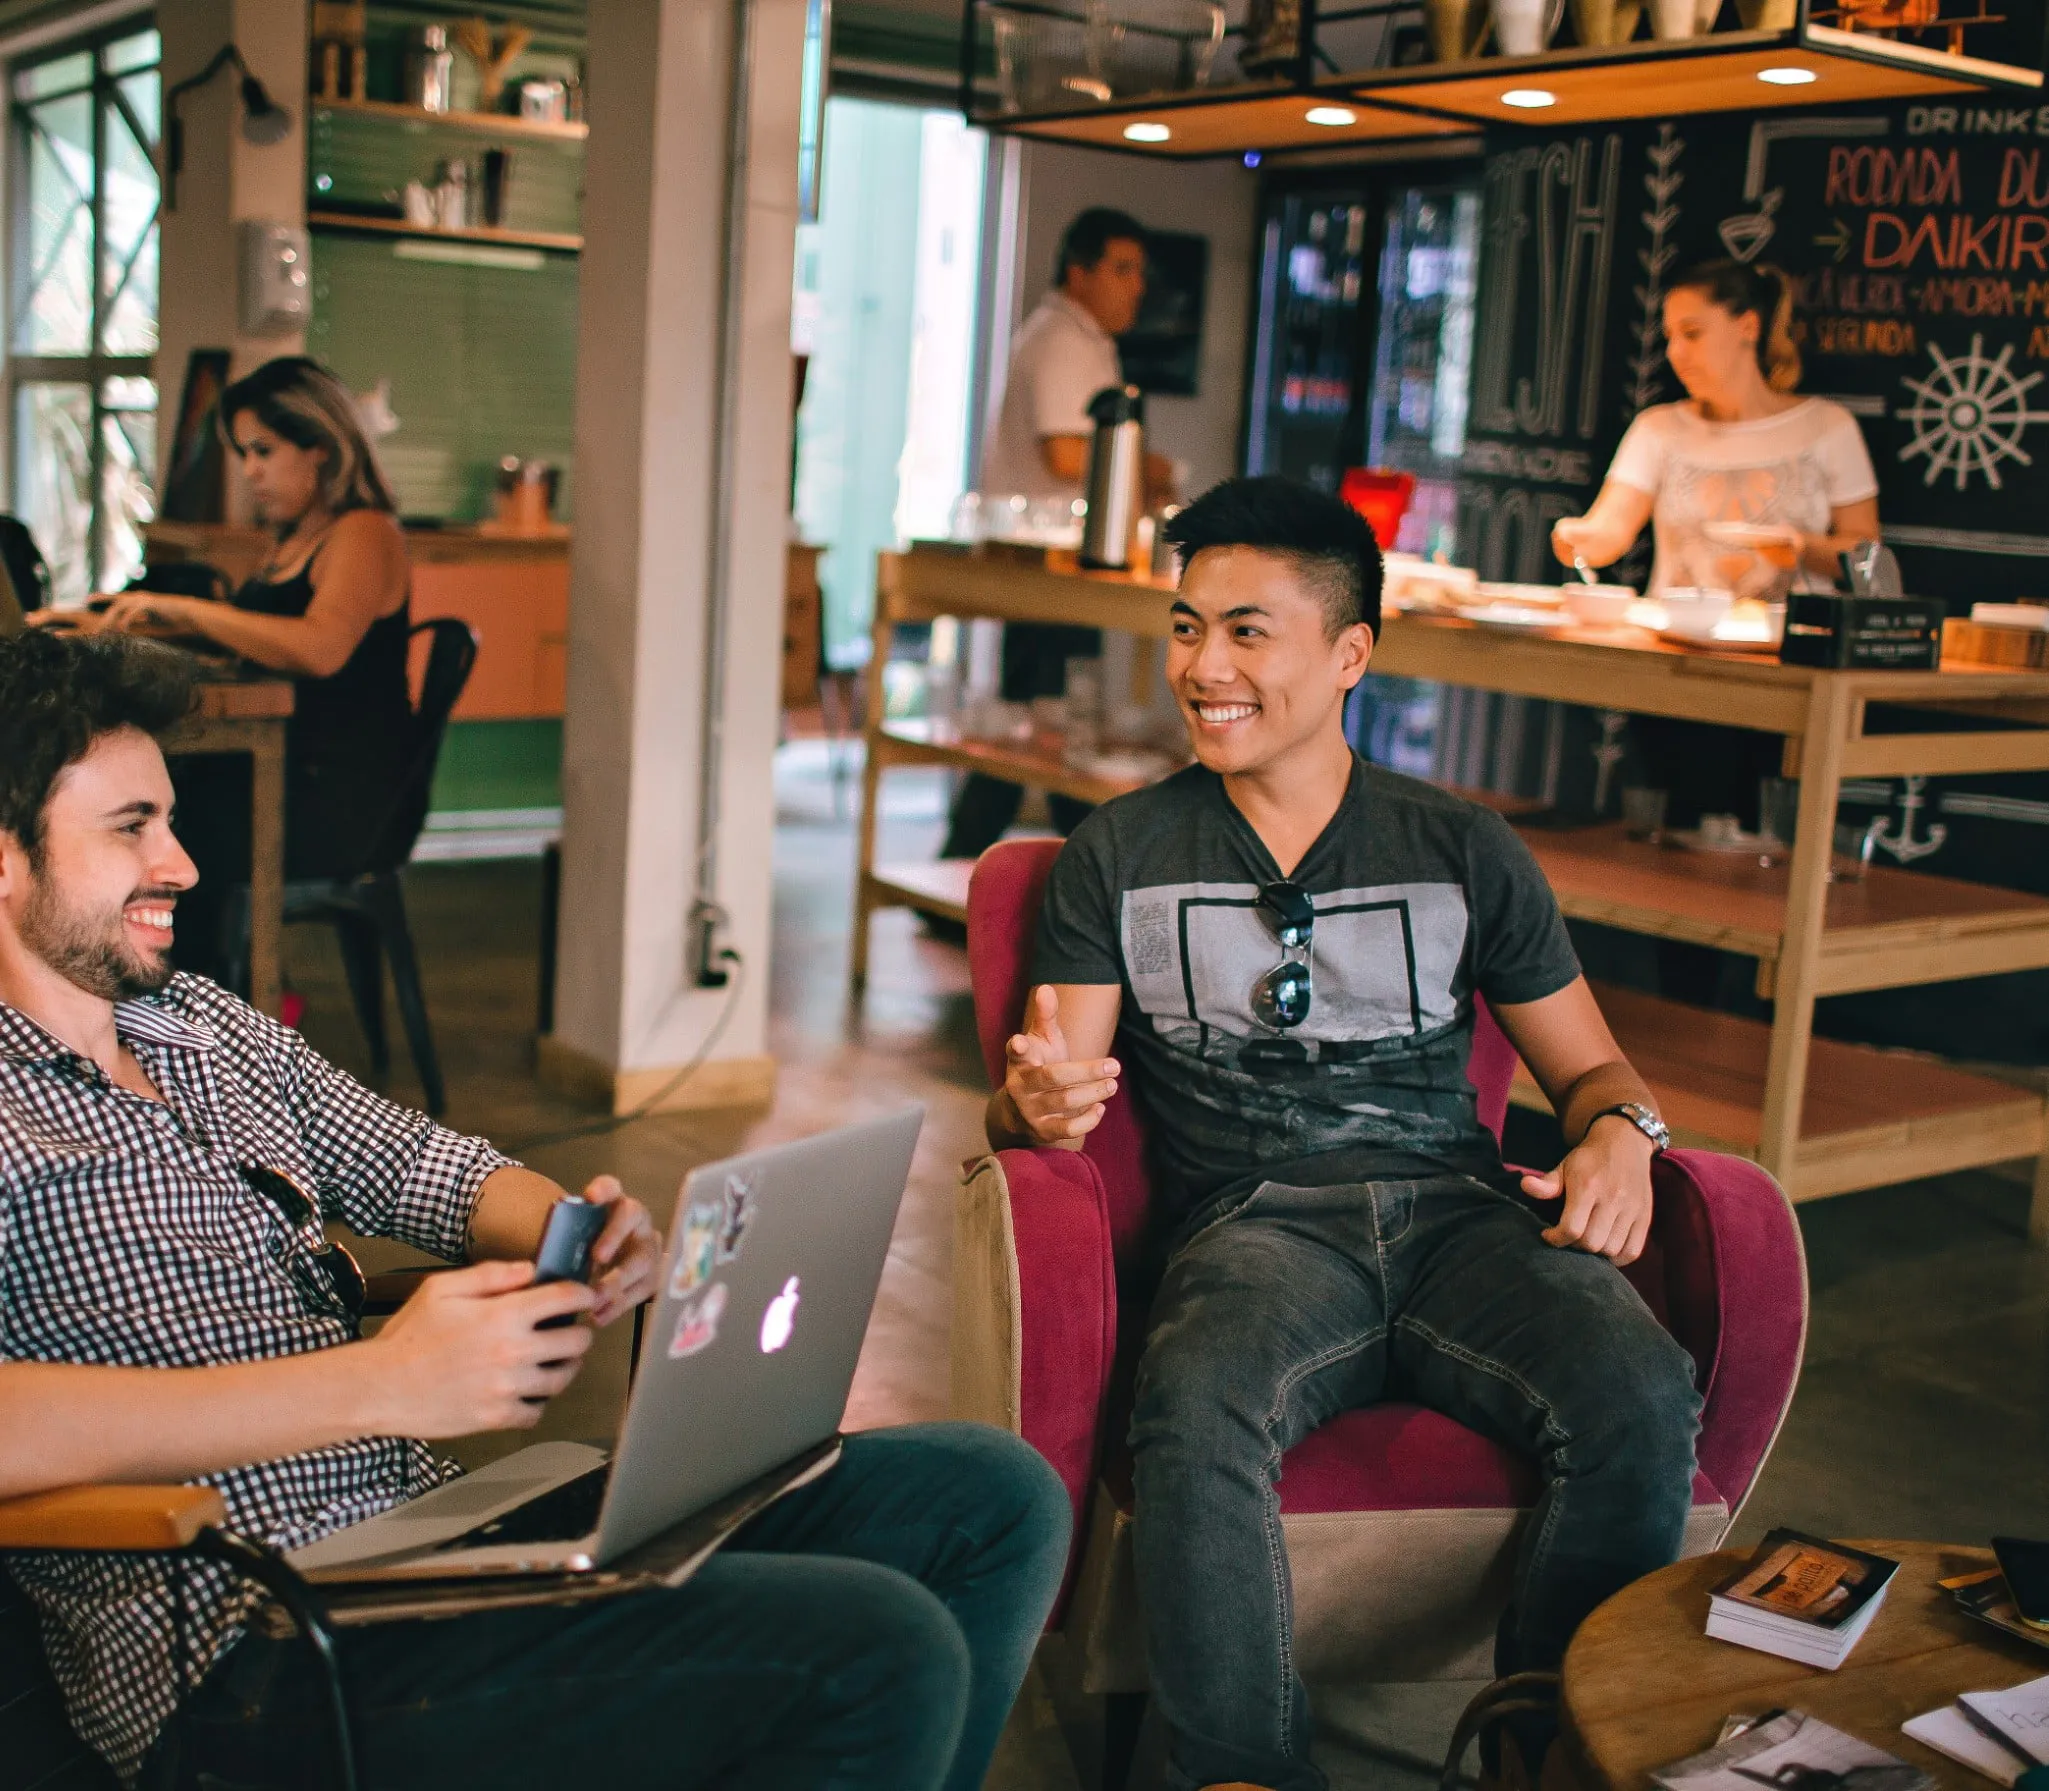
{"type": "Point", "coordinates": [1186, 78]}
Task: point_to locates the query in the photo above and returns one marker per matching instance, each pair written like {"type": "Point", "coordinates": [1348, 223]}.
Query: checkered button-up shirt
{"type": "Point", "coordinates": [129, 1237]}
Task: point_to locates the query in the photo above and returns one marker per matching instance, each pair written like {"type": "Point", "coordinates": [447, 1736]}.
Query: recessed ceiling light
{"type": "Point", "coordinates": [1146, 133]}
{"type": "Point", "coordinates": [1787, 77]}
{"type": "Point", "coordinates": [1529, 99]}
{"type": "Point", "coordinates": [1331, 115]}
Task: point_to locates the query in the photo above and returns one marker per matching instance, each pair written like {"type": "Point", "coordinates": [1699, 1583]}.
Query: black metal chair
{"type": "Point", "coordinates": [39, 1750]}
{"type": "Point", "coordinates": [368, 910]}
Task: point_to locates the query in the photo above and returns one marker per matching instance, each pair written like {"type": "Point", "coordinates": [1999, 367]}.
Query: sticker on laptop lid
{"type": "Point", "coordinates": [740, 1208]}
{"type": "Point", "coordinates": [697, 1248]}
{"type": "Point", "coordinates": [697, 1323]}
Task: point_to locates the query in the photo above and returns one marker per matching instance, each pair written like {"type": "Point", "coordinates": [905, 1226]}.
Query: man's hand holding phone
{"type": "Point", "coordinates": [468, 1353]}
{"type": "Point", "coordinates": [1054, 1101]}
{"type": "Point", "coordinates": [627, 1258]}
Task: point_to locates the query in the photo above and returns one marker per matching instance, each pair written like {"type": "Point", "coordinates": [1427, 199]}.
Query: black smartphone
{"type": "Point", "coordinates": [2026, 1567]}
{"type": "Point", "coordinates": [574, 1225]}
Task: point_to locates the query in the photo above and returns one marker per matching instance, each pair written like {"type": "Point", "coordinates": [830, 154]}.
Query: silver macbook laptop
{"type": "Point", "coordinates": [768, 1280]}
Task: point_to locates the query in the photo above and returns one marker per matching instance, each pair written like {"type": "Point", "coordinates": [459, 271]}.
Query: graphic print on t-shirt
{"type": "Point", "coordinates": [1382, 960]}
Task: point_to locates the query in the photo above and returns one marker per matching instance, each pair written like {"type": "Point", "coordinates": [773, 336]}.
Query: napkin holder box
{"type": "Point", "coordinates": [1873, 634]}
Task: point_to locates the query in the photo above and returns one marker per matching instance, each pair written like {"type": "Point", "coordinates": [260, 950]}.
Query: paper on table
{"type": "Point", "coordinates": [1949, 1731]}
{"type": "Point", "coordinates": [2022, 1714]}
{"type": "Point", "coordinates": [1793, 1750]}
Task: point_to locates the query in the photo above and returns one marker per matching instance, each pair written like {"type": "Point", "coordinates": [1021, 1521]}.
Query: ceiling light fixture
{"type": "Point", "coordinates": [1787, 77]}
{"type": "Point", "coordinates": [1143, 132]}
{"type": "Point", "coordinates": [1529, 99]}
{"type": "Point", "coordinates": [1334, 116]}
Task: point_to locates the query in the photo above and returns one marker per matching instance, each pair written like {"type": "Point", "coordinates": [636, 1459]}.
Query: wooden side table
{"type": "Point", "coordinates": [1644, 1686]}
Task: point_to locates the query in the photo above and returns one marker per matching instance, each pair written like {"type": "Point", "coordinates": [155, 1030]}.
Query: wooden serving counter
{"type": "Point", "coordinates": [1822, 1116]}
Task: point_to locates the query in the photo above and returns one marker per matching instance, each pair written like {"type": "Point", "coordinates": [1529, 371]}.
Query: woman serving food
{"type": "Point", "coordinates": [1749, 487]}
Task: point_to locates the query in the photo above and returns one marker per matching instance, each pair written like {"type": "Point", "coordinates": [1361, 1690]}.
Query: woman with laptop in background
{"type": "Point", "coordinates": [328, 609]}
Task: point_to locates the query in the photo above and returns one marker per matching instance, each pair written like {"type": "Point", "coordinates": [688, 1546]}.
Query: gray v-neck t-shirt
{"type": "Point", "coordinates": [1422, 901]}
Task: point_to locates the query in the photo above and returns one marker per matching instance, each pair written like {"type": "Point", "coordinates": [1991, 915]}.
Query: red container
{"type": "Point", "coordinates": [1381, 495]}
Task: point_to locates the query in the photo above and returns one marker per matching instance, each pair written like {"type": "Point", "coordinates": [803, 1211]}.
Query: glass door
{"type": "Point", "coordinates": [1423, 353]}
{"type": "Point", "coordinates": [1317, 249]}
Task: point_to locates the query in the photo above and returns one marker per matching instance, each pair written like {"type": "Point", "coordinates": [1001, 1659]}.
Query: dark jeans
{"type": "Point", "coordinates": [870, 1630]}
{"type": "Point", "coordinates": [1297, 1304]}
{"type": "Point", "coordinates": [1035, 656]}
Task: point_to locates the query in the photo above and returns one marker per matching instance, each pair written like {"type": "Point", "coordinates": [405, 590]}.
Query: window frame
{"type": "Point", "coordinates": [94, 368]}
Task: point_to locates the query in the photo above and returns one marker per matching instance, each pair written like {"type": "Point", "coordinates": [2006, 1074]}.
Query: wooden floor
{"type": "Point", "coordinates": [1921, 1413]}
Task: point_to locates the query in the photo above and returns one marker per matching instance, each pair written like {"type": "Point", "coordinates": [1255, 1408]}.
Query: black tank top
{"type": "Point", "coordinates": [349, 740]}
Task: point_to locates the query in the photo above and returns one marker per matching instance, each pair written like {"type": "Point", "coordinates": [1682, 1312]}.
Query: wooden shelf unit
{"type": "Point", "coordinates": [1893, 929]}
{"type": "Point", "coordinates": [557, 241]}
{"type": "Point", "coordinates": [478, 124]}
{"type": "Point", "coordinates": [1867, 1112]}
{"type": "Point", "coordinates": [1824, 1117]}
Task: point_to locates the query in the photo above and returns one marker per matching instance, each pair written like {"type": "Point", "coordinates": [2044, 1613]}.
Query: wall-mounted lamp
{"type": "Point", "coordinates": [264, 121]}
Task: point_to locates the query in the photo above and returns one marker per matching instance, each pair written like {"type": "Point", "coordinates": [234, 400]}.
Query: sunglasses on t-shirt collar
{"type": "Point", "coordinates": [338, 1278]}
{"type": "Point", "coordinates": [1280, 998]}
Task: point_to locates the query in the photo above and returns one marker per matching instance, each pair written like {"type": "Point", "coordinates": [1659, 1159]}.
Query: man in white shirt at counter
{"type": "Point", "coordinates": [1064, 353]}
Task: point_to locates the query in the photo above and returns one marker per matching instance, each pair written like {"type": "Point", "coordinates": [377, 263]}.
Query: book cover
{"type": "Point", "coordinates": [1805, 1580]}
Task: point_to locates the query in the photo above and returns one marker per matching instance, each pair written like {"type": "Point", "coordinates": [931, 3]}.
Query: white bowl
{"type": "Point", "coordinates": [1599, 606]}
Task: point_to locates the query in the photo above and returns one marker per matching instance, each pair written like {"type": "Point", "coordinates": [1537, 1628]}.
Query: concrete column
{"type": "Point", "coordinates": [226, 178]}
{"type": "Point", "coordinates": [628, 1010]}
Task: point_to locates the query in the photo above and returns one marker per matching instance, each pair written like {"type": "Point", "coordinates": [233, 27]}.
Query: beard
{"type": "Point", "coordinates": [90, 948]}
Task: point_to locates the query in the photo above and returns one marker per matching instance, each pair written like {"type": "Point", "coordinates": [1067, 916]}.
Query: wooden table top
{"type": "Point", "coordinates": [259, 697]}
{"type": "Point", "coordinates": [1644, 1686]}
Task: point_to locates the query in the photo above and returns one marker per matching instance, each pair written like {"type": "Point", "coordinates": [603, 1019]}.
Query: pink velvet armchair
{"type": "Point", "coordinates": [1400, 1523]}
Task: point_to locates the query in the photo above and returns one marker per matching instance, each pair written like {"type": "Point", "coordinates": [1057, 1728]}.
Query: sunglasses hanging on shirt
{"type": "Point", "coordinates": [1280, 998]}
{"type": "Point", "coordinates": [341, 1282]}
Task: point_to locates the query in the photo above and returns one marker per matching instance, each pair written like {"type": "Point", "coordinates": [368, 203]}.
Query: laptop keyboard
{"type": "Point", "coordinates": [566, 1514]}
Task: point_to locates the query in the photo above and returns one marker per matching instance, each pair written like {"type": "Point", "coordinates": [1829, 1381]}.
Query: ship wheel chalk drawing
{"type": "Point", "coordinates": [1968, 414]}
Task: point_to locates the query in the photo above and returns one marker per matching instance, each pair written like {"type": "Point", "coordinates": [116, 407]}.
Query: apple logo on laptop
{"type": "Point", "coordinates": [780, 1319]}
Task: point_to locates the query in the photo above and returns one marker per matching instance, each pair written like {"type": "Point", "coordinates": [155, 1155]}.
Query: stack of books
{"type": "Point", "coordinates": [2000, 1734]}
{"type": "Point", "coordinates": [1983, 1597]}
{"type": "Point", "coordinates": [1801, 1597]}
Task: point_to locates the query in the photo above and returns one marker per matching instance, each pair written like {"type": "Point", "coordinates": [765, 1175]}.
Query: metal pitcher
{"type": "Point", "coordinates": [1116, 477]}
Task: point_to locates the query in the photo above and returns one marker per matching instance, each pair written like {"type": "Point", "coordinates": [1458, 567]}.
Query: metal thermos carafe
{"type": "Point", "coordinates": [1116, 482]}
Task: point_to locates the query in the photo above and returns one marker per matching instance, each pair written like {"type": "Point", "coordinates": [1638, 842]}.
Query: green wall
{"type": "Point", "coordinates": [499, 764]}
{"type": "Point", "coordinates": [482, 363]}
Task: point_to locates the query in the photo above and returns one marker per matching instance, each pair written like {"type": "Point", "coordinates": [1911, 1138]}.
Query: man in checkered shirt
{"type": "Point", "coordinates": [167, 1313]}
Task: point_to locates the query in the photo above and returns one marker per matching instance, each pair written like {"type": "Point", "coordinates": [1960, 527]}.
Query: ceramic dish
{"type": "Point", "coordinates": [1600, 606]}
{"type": "Point", "coordinates": [1509, 615]}
{"type": "Point", "coordinates": [1531, 596]}
{"type": "Point", "coordinates": [1749, 534]}
{"type": "Point", "coordinates": [1748, 845]}
{"type": "Point", "coordinates": [1732, 631]}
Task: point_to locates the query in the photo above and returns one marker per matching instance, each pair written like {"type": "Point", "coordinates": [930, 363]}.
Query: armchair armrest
{"type": "Point", "coordinates": [1035, 1307]}
{"type": "Point", "coordinates": [110, 1517]}
{"type": "Point", "coordinates": [1736, 1290]}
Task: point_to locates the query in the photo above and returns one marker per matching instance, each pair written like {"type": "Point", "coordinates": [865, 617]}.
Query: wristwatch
{"type": "Point", "coordinates": [1641, 1117]}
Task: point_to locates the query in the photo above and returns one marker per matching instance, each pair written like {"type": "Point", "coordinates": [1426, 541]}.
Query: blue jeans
{"type": "Point", "coordinates": [869, 1630]}
{"type": "Point", "coordinates": [1296, 1304]}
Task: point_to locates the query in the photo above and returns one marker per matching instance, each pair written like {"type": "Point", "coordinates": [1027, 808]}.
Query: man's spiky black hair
{"type": "Point", "coordinates": [1328, 541]}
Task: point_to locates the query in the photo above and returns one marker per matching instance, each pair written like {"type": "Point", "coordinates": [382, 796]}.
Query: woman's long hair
{"type": "Point", "coordinates": [1739, 287]}
{"type": "Point", "coordinates": [297, 398]}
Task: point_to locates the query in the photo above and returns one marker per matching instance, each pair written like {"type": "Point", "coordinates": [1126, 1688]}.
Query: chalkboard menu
{"type": "Point", "coordinates": [1918, 240]}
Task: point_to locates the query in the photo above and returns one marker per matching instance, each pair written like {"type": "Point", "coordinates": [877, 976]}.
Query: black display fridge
{"type": "Point", "coordinates": [1362, 356]}
{"type": "Point", "coordinates": [1363, 337]}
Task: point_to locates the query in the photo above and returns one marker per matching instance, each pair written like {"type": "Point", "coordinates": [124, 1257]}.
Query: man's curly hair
{"type": "Point", "coordinates": [58, 694]}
